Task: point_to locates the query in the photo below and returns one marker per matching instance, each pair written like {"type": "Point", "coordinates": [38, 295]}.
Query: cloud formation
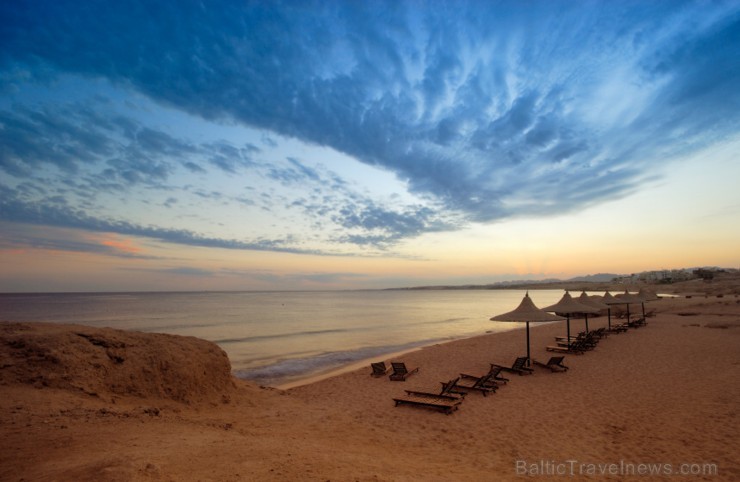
{"type": "Point", "coordinates": [485, 112]}
{"type": "Point", "coordinates": [55, 212]}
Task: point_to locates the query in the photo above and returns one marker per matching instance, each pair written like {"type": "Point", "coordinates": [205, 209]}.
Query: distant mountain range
{"type": "Point", "coordinates": [596, 278]}
{"type": "Point", "coordinates": [591, 278]}
{"type": "Point", "coordinates": [571, 283]}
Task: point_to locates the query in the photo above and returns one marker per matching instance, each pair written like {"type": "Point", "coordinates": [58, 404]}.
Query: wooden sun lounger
{"type": "Point", "coordinates": [587, 341]}
{"type": "Point", "coordinates": [448, 388]}
{"type": "Point", "coordinates": [555, 364]}
{"type": "Point", "coordinates": [379, 369]}
{"type": "Point", "coordinates": [585, 335]}
{"type": "Point", "coordinates": [517, 367]}
{"type": "Point", "coordinates": [400, 372]}
{"type": "Point", "coordinates": [576, 345]}
{"type": "Point", "coordinates": [584, 341]}
{"type": "Point", "coordinates": [618, 328]}
{"type": "Point", "coordinates": [484, 384]}
{"type": "Point", "coordinates": [444, 403]}
{"type": "Point", "coordinates": [584, 344]}
{"type": "Point", "coordinates": [496, 374]}
{"type": "Point", "coordinates": [601, 333]}
{"type": "Point", "coordinates": [572, 348]}
{"type": "Point", "coordinates": [637, 323]}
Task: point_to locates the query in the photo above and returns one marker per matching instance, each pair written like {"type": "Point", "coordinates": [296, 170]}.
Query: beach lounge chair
{"type": "Point", "coordinates": [555, 364]}
{"type": "Point", "coordinates": [588, 339]}
{"type": "Point", "coordinates": [637, 323]}
{"type": "Point", "coordinates": [484, 384]}
{"type": "Point", "coordinates": [519, 366]}
{"type": "Point", "coordinates": [584, 341]}
{"type": "Point", "coordinates": [496, 374]}
{"type": "Point", "coordinates": [558, 348]}
{"type": "Point", "coordinates": [444, 403]}
{"type": "Point", "coordinates": [400, 372]}
{"type": "Point", "coordinates": [574, 347]}
{"type": "Point", "coordinates": [448, 388]}
{"type": "Point", "coordinates": [579, 343]}
{"type": "Point", "coordinates": [379, 369]}
{"type": "Point", "coordinates": [576, 344]}
{"type": "Point", "coordinates": [618, 328]}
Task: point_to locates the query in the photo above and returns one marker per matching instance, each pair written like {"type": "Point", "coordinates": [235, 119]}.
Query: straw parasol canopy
{"type": "Point", "coordinates": [527, 312]}
{"type": "Point", "coordinates": [568, 306]}
{"type": "Point", "coordinates": [646, 295]}
{"type": "Point", "coordinates": [609, 300]}
{"type": "Point", "coordinates": [584, 299]}
{"type": "Point", "coordinates": [597, 301]}
{"type": "Point", "coordinates": [628, 299]}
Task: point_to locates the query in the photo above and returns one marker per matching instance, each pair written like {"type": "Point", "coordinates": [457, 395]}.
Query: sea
{"type": "Point", "coordinates": [282, 338]}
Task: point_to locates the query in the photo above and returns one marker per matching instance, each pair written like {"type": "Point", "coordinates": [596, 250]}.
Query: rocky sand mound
{"type": "Point", "coordinates": [109, 363]}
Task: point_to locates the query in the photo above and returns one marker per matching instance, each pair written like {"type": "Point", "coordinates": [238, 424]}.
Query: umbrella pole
{"type": "Point", "coordinates": [567, 321]}
{"type": "Point", "coordinates": [628, 313]}
{"type": "Point", "coordinates": [586, 315]}
{"type": "Point", "coordinates": [528, 359]}
{"type": "Point", "coordinates": [643, 310]}
{"type": "Point", "coordinates": [609, 317]}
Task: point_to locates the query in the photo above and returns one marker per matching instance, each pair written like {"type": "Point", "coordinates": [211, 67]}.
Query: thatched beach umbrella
{"type": "Point", "coordinates": [528, 313]}
{"type": "Point", "coordinates": [628, 299]}
{"type": "Point", "coordinates": [609, 300]}
{"type": "Point", "coordinates": [568, 306]}
{"type": "Point", "coordinates": [584, 299]}
{"type": "Point", "coordinates": [646, 295]}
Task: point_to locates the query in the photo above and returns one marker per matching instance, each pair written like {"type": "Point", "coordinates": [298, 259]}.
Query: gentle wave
{"type": "Point", "coordinates": [437, 322]}
{"type": "Point", "coordinates": [293, 368]}
{"type": "Point", "coordinates": [248, 339]}
{"type": "Point", "coordinates": [175, 327]}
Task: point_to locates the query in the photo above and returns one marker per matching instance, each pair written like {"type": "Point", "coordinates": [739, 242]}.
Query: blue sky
{"type": "Point", "coordinates": [310, 145]}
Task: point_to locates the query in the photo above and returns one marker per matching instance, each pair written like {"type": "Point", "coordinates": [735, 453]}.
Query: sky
{"type": "Point", "coordinates": [291, 145]}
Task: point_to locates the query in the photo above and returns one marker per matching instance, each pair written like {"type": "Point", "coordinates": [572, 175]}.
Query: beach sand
{"type": "Point", "coordinates": [81, 403]}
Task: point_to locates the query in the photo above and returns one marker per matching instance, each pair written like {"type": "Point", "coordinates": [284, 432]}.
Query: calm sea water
{"type": "Point", "coordinates": [275, 338]}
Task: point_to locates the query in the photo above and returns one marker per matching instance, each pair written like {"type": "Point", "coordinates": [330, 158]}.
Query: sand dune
{"type": "Point", "coordinates": [81, 403]}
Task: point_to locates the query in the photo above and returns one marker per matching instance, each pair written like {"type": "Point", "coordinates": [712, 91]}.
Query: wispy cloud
{"type": "Point", "coordinates": [55, 212]}
{"type": "Point", "coordinates": [484, 111]}
{"type": "Point", "coordinates": [80, 139]}
{"type": "Point", "coordinates": [24, 237]}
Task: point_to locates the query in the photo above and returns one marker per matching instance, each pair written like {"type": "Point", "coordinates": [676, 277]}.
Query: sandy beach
{"type": "Point", "coordinates": [656, 402]}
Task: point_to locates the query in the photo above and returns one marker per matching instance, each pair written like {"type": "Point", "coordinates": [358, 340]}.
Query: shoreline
{"type": "Point", "coordinates": [364, 364]}
{"type": "Point", "coordinates": [335, 372]}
